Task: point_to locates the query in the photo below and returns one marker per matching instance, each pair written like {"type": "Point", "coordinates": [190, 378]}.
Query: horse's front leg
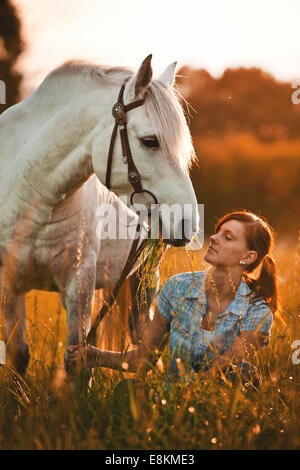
{"type": "Point", "coordinates": [141, 300]}
{"type": "Point", "coordinates": [78, 298]}
{"type": "Point", "coordinates": [13, 309]}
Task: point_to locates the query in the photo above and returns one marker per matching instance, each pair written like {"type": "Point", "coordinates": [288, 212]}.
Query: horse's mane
{"type": "Point", "coordinates": [162, 105]}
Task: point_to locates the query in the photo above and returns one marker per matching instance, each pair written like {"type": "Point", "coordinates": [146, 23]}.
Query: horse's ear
{"type": "Point", "coordinates": [169, 75]}
{"type": "Point", "coordinates": [138, 84]}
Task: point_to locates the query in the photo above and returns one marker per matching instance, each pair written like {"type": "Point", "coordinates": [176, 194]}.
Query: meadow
{"type": "Point", "coordinates": [245, 130]}
{"type": "Point", "coordinates": [44, 411]}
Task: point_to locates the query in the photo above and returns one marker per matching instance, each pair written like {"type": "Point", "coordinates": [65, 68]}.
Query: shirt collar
{"type": "Point", "coordinates": [238, 305]}
{"type": "Point", "coordinates": [197, 290]}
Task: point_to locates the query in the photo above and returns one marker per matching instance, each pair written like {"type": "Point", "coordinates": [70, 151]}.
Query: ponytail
{"type": "Point", "coordinates": [266, 286]}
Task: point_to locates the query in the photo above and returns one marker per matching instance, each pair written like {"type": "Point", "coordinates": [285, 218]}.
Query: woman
{"type": "Point", "coordinates": [215, 317]}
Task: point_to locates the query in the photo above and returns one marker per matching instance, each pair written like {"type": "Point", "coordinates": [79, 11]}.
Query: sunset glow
{"type": "Point", "coordinates": [213, 35]}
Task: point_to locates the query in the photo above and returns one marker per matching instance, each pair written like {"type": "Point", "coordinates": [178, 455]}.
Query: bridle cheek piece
{"type": "Point", "coordinates": [119, 111]}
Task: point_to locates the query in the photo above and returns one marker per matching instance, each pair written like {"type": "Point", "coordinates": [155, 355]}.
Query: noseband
{"type": "Point", "coordinates": [119, 111]}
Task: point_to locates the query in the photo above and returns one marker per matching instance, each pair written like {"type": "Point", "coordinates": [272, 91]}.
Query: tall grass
{"type": "Point", "coordinates": [44, 411]}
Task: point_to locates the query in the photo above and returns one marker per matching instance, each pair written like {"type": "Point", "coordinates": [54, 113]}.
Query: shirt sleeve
{"type": "Point", "coordinates": [258, 318]}
{"type": "Point", "coordinates": [164, 299]}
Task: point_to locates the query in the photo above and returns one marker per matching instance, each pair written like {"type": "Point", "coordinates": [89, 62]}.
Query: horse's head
{"type": "Point", "coordinates": [161, 148]}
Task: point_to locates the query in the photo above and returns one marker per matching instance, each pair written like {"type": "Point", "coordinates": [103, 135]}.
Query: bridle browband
{"type": "Point", "coordinates": [119, 111]}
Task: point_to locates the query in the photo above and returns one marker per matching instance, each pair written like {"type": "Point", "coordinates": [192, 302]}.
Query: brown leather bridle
{"type": "Point", "coordinates": [119, 111]}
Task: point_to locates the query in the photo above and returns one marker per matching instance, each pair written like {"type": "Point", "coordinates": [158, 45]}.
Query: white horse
{"type": "Point", "coordinates": [53, 158]}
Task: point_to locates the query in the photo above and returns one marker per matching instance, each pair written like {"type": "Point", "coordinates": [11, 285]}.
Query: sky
{"type": "Point", "coordinates": [213, 34]}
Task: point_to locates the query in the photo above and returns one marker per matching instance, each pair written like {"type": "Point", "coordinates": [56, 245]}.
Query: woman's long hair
{"type": "Point", "coordinates": [260, 238]}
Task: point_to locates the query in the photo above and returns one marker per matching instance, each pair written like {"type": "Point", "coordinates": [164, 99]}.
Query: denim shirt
{"type": "Point", "coordinates": [182, 300]}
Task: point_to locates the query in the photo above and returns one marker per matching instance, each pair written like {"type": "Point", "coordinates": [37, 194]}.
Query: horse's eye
{"type": "Point", "coordinates": [150, 142]}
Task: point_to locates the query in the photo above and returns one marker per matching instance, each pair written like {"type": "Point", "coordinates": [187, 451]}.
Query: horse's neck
{"type": "Point", "coordinates": [50, 154]}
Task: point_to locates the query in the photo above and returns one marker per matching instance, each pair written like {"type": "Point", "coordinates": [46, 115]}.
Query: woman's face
{"type": "Point", "coordinates": [229, 245]}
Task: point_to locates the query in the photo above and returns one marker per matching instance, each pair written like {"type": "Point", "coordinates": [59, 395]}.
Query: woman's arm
{"type": "Point", "coordinates": [140, 359]}
{"type": "Point", "coordinates": [242, 349]}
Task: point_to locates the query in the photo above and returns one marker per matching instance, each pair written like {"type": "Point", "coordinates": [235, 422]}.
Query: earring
{"type": "Point", "coordinates": [242, 262]}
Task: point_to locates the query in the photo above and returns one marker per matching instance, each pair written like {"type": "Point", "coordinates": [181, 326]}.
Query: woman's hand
{"type": "Point", "coordinates": [80, 356]}
{"type": "Point", "coordinates": [72, 354]}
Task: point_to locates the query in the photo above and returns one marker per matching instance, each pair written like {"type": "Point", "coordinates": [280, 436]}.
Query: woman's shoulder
{"type": "Point", "coordinates": [258, 303]}
{"type": "Point", "coordinates": [184, 283]}
{"type": "Point", "coordinates": [177, 288]}
{"type": "Point", "coordinates": [254, 302]}
{"type": "Point", "coordinates": [258, 316]}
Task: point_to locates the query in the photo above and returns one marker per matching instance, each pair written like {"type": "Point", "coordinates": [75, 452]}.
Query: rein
{"type": "Point", "coordinates": [132, 258]}
{"type": "Point", "coordinates": [119, 111]}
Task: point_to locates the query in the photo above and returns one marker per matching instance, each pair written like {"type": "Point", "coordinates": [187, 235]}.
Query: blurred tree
{"type": "Point", "coordinates": [241, 100]}
{"type": "Point", "coordinates": [11, 46]}
{"type": "Point", "coordinates": [245, 130]}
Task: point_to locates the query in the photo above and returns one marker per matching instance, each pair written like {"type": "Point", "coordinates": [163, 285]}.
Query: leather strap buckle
{"type": "Point", "coordinates": [119, 114]}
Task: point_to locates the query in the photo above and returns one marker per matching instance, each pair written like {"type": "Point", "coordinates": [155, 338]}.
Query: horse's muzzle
{"type": "Point", "coordinates": [181, 239]}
